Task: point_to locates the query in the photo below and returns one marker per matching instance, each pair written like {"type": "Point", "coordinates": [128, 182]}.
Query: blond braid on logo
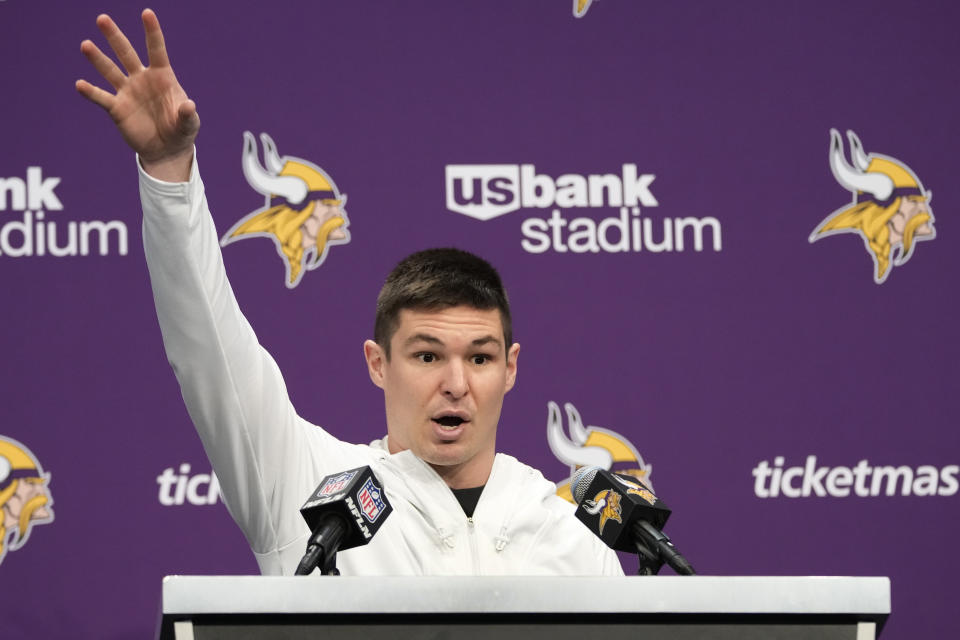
{"type": "Point", "coordinates": [4, 496]}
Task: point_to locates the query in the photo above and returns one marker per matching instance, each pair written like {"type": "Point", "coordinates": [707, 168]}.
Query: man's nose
{"type": "Point", "coordinates": [454, 382]}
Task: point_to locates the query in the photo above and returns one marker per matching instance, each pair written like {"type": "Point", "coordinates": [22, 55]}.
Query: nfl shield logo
{"type": "Point", "coordinates": [371, 503]}
{"type": "Point", "coordinates": [336, 483]}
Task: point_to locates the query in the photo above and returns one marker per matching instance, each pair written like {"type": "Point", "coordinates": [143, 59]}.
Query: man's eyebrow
{"type": "Point", "coordinates": [423, 337]}
{"type": "Point", "coordinates": [429, 339]}
{"type": "Point", "coordinates": [485, 340]}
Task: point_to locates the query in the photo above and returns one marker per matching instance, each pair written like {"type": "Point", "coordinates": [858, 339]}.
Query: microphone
{"type": "Point", "coordinates": [344, 511]}
{"type": "Point", "coordinates": [627, 516]}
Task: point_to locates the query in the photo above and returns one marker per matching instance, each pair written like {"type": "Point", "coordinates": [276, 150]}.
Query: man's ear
{"type": "Point", "coordinates": [376, 361]}
{"type": "Point", "coordinates": [512, 356]}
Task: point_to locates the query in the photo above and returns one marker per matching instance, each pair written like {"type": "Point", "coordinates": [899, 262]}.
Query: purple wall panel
{"type": "Point", "coordinates": [710, 363]}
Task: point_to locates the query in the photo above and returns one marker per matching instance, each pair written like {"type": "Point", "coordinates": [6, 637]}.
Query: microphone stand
{"type": "Point", "coordinates": [329, 567]}
{"type": "Point", "coordinates": [650, 562]}
{"type": "Point", "coordinates": [322, 549]}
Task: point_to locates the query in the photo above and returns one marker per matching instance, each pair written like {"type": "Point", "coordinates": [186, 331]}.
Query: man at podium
{"type": "Point", "coordinates": [442, 353]}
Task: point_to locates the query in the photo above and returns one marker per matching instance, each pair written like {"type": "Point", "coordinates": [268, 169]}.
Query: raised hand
{"type": "Point", "coordinates": [150, 108]}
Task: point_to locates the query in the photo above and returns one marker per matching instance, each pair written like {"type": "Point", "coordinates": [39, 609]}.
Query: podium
{"type": "Point", "coordinates": [522, 608]}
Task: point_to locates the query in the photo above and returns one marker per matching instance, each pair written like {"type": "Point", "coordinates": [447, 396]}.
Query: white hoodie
{"type": "Point", "coordinates": [268, 459]}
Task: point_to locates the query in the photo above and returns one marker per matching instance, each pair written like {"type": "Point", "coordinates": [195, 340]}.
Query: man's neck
{"type": "Point", "coordinates": [464, 476]}
{"type": "Point", "coordinates": [467, 475]}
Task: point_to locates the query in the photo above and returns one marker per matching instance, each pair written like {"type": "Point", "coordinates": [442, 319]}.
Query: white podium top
{"type": "Point", "coordinates": [483, 594]}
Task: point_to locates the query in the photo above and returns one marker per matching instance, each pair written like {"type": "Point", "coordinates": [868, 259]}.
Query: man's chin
{"type": "Point", "coordinates": [458, 461]}
{"type": "Point", "coordinates": [445, 454]}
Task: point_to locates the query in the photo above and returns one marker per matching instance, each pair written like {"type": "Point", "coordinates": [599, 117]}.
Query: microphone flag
{"type": "Point", "coordinates": [357, 497]}
{"type": "Point", "coordinates": [609, 504]}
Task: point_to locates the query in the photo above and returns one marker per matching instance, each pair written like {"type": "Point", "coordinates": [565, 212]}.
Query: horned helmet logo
{"type": "Point", "coordinates": [590, 446]}
{"type": "Point", "coordinates": [890, 209]}
{"type": "Point", "coordinates": [25, 499]}
{"type": "Point", "coordinates": [302, 213]}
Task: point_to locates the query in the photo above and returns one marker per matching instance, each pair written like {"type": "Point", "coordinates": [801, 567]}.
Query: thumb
{"type": "Point", "coordinates": [188, 122]}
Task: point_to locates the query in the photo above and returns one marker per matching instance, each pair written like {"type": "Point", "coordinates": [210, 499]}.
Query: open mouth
{"type": "Point", "coordinates": [449, 422]}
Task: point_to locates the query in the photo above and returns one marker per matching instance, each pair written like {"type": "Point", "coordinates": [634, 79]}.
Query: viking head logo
{"type": "Point", "coordinates": [607, 504]}
{"type": "Point", "coordinates": [303, 210]}
{"type": "Point", "coordinates": [590, 446]}
{"type": "Point", "coordinates": [25, 500]}
{"type": "Point", "coordinates": [890, 210]}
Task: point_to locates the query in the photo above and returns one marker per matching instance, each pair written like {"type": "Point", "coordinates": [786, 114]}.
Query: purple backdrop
{"type": "Point", "coordinates": [710, 363]}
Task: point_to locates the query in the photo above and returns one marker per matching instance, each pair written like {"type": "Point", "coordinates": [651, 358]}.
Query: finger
{"type": "Point", "coordinates": [95, 95]}
{"type": "Point", "coordinates": [107, 67]}
{"type": "Point", "coordinates": [119, 43]}
{"type": "Point", "coordinates": [156, 49]}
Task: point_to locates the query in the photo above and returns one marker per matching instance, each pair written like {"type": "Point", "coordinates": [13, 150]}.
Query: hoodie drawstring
{"type": "Point", "coordinates": [445, 536]}
{"type": "Point", "coordinates": [502, 539]}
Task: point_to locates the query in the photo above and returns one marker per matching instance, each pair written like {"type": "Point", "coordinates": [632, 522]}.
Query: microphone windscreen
{"type": "Point", "coordinates": [581, 481]}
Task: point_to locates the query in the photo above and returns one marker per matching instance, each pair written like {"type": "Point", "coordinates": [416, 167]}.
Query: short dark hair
{"type": "Point", "coordinates": [437, 279]}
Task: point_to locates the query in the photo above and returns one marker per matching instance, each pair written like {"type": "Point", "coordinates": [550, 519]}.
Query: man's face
{"type": "Point", "coordinates": [443, 387]}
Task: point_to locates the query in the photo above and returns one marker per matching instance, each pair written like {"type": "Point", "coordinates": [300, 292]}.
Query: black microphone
{"type": "Point", "coordinates": [627, 516]}
{"type": "Point", "coordinates": [345, 511]}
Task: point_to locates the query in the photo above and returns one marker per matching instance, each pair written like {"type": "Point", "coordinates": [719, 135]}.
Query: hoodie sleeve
{"type": "Point", "coordinates": [266, 457]}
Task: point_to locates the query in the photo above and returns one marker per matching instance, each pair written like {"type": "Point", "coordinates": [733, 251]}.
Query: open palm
{"type": "Point", "coordinates": [150, 108]}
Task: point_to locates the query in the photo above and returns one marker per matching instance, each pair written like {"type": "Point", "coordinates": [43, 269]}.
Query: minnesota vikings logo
{"type": "Point", "coordinates": [890, 210]}
{"type": "Point", "coordinates": [607, 504]}
{"type": "Point", "coordinates": [25, 500]}
{"type": "Point", "coordinates": [580, 7]}
{"type": "Point", "coordinates": [302, 213]}
{"type": "Point", "coordinates": [590, 446]}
